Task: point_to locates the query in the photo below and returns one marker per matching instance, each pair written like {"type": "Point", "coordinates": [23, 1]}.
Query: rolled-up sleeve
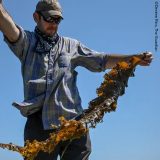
{"type": "Point", "coordinates": [90, 59]}
{"type": "Point", "coordinates": [20, 47]}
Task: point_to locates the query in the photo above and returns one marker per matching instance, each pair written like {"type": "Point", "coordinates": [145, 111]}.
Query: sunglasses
{"type": "Point", "coordinates": [55, 20]}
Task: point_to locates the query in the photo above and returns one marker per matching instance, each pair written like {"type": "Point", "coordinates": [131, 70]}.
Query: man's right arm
{"type": "Point", "coordinates": [7, 25]}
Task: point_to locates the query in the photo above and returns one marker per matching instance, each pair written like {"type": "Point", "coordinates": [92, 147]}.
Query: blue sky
{"type": "Point", "coordinates": [126, 27]}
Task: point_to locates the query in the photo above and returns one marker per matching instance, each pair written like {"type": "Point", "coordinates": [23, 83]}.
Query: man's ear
{"type": "Point", "coordinates": [36, 17]}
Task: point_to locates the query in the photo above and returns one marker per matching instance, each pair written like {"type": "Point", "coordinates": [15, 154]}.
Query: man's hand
{"type": "Point", "coordinates": [146, 58]}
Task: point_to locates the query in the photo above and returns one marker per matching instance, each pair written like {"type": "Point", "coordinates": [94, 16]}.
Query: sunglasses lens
{"type": "Point", "coordinates": [52, 20]}
{"type": "Point", "coordinates": [55, 20]}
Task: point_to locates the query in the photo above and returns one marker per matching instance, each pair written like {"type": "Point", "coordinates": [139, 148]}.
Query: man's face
{"type": "Point", "coordinates": [48, 28]}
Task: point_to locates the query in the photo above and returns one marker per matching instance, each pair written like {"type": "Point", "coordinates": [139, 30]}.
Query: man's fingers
{"type": "Point", "coordinates": [145, 63]}
{"type": "Point", "coordinates": [146, 57]}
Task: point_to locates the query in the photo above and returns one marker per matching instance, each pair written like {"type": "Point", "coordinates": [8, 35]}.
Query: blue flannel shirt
{"type": "Point", "coordinates": [49, 75]}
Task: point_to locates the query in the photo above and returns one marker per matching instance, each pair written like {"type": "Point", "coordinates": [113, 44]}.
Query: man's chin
{"type": "Point", "coordinates": [50, 33]}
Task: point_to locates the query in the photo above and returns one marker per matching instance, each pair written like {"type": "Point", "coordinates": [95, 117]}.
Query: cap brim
{"type": "Point", "coordinates": [51, 13]}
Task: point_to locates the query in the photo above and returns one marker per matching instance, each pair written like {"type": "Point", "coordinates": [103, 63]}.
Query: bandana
{"type": "Point", "coordinates": [45, 43]}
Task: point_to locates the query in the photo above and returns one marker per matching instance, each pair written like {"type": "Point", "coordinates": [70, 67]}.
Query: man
{"type": "Point", "coordinates": [48, 70]}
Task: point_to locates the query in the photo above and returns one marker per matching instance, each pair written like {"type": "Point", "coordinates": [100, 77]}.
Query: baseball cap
{"type": "Point", "coordinates": [49, 8]}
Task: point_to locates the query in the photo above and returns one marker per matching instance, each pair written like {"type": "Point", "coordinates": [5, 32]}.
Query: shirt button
{"type": "Point", "coordinates": [49, 76]}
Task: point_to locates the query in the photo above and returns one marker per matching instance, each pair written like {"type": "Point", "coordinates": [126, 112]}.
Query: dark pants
{"type": "Point", "coordinates": [78, 149]}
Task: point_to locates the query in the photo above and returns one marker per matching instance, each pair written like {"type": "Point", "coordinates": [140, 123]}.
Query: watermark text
{"type": "Point", "coordinates": [156, 25]}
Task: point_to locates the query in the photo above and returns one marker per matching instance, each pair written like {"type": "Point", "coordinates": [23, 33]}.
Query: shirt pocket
{"type": "Point", "coordinates": [64, 60]}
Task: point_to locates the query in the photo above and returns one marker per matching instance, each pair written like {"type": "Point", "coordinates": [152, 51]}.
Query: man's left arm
{"type": "Point", "coordinates": [97, 62]}
{"type": "Point", "coordinates": [113, 59]}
